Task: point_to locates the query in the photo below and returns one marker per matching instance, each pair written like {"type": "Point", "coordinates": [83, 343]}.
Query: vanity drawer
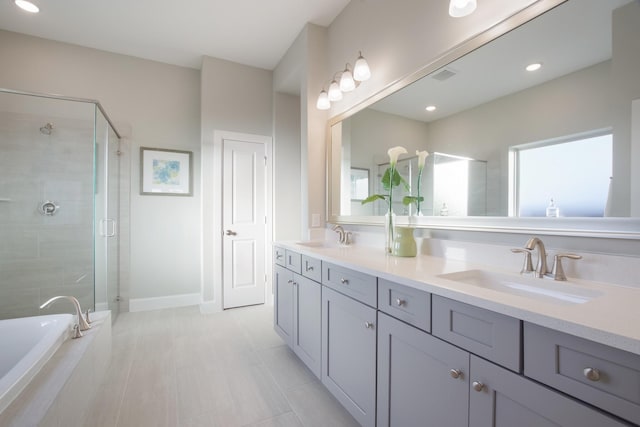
{"type": "Point", "coordinates": [410, 305]}
{"type": "Point", "coordinates": [279, 256]}
{"type": "Point", "coordinates": [293, 261]}
{"type": "Point", "coordinates": [488, 334]}
{"type": "Point", "coordinates": [595, 373]}
{"type": "Point", "coordinates": [354, 284]}
{"type": "Point", "coordinates": [312, 268]}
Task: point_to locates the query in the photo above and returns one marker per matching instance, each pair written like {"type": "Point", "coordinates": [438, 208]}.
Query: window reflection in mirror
{"type": "Point", "coordinates": [563, 177]}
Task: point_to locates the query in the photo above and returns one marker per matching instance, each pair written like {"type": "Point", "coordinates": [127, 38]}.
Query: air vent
{"type": "Point", "coordinates": [444, 74]}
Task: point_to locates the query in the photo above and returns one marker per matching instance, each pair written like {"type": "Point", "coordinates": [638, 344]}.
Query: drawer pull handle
{"type": "Point", "coordinates": [591, 374]}
{"type": "Point", "coordinates": [290, 281]}
{"type": "Point", "coordinates": [400, 302]}
{"type": "Point", "coordinates": [310, 268]}
{"type": "Point", "coordinates": [278, 256]}
{"type": "Point", "coordinates": [368, 325]}
{"type": "Point", "coordinates": [477, 386]}
{"type": "Point", "coordinates": [455, 373]}
{"type": "Point", "coordinates": [344, 281]}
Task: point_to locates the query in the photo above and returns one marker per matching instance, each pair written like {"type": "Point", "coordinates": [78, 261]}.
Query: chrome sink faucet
{"type": "Point", "coordinates": [82, 324]}
{"type": "Point", "coordinates": [541, 270]}
{"type": "Point", "coordinates": [344, 237]}
{"type": "Point", "coordinates": [541, 266]}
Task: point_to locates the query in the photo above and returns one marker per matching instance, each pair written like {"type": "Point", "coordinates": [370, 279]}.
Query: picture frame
{"type": "Point", "coordinates": [165, 172]}
{"type": "Point", "coordinates": [359, 184]}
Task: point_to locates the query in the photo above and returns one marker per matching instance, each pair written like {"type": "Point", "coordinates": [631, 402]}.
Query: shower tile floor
{"type": "Point", "coordinates": [177, 367]}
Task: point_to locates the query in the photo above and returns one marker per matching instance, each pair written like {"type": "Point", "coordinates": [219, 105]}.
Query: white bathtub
{"type": "Point", "coordinates": [26, 344]}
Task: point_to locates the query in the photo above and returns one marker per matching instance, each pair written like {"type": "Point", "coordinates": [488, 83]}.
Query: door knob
{"type": "Point", "coordinates": [230, 233]}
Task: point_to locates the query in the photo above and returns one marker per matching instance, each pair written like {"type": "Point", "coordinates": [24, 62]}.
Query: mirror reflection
{"type": "Point", "coordinates": [555, 141]}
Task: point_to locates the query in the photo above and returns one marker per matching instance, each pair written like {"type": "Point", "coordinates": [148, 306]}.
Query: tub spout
{"type": "Point", "coordinates": [82, 323]}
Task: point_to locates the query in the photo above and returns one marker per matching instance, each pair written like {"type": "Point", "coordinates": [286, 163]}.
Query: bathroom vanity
{"type": "Point", "coordinates": [428, 341]}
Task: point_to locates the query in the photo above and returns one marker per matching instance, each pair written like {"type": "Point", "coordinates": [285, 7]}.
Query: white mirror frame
{"type": "Point", "coordinates": [616, 228]}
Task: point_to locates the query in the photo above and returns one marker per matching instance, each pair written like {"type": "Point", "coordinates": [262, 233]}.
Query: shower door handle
{"type": "Point", "coordinates": [107, 227]}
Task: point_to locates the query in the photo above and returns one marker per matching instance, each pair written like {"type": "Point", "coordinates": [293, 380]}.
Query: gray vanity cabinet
{"type": "Point", "coordinates": [500, 398]}
{"type": "Point", "coordinates": [306, 322]}
{"type": "Point", "coordinates": [422, 380]}
{"type": "Point", "coordinates": [283, 303]}
{"type": "Point", "coordinates": [297, 310]}
{"type": "Point", "coordinates": [349, 354]}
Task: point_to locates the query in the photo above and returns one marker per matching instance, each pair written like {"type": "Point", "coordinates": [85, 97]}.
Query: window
{"type": "Point", "coordinates": [574, 172]}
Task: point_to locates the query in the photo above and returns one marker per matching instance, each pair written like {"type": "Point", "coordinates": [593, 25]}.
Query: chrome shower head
{"type": "Point", "coordinates": [46, 129]}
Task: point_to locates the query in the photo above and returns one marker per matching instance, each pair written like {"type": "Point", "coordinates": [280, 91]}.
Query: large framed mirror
{"type": "Point", "coordinates": [555, 150]}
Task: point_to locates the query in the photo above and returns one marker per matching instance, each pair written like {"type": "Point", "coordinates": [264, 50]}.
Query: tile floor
{"type": "Point", "coordinates": [177, 367]}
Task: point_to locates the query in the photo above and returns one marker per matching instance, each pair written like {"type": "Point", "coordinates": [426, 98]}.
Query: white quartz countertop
{"type": "Point", "coordinates": [612, 318]}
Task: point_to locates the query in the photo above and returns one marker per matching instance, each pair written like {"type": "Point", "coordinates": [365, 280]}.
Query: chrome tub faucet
{"type": "Point", "coordinates": [82, 324]}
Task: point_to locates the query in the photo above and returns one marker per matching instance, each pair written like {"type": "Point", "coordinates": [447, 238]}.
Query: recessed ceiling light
{"type": "Point", "coordinates": [533, 67]}
{"type": "Point", "coordinates": [431, 108]}
{"type": "Point", "coordinates": [27, 5]}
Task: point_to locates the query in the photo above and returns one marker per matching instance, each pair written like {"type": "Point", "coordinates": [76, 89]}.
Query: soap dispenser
{"type": "Point", "coordinates": [552, 210]}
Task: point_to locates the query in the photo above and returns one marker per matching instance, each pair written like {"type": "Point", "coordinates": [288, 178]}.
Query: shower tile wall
{"type": "Point", "coordinates": [44, 256]}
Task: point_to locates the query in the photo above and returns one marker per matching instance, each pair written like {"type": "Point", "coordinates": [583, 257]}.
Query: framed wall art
{"type": "Point", "coordinates": [166, 172]}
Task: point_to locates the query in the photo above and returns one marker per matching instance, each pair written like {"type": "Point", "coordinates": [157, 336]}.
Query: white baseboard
{"type": "Point", "coordinates": [157, 303]}
{"type": "Point", "coordinates": [208, 307]}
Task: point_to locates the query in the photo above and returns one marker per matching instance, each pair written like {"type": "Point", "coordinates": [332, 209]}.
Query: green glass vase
{"type": "Point", "coordinates": [404, 244]}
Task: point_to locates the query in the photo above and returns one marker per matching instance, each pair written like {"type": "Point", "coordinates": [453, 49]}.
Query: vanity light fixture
{"type": "Point", "coordinates": [323, 101]}
{"type": "Point", "coordinates": [431, 108]}
{"type": "Point", "coordinates": [533, 67]}
{"type": "Point", "coordinates": [335, 94]}
{"type": "Point", "coordinates": [347, 84]}
{"type": "Point", "coordinates": [348, 79]}
{"type": "Point", "coordinates": [460, 8]}
{"type": "Point", "coordinates": [361, 71]}
{"type": "Point", "coordinates": [27, 6]}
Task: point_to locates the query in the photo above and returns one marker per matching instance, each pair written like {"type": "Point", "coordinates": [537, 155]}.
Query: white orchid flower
{"type": "Point", "coordinates": [422, 155]}
{"type": "Point", "coordinates": [394, 153]}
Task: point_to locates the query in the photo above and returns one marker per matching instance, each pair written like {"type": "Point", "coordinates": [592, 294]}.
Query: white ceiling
{"type": "Point", "coordinates": [180, 32]}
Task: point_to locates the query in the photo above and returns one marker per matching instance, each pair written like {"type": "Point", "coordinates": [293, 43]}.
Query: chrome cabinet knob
{"type": "Point", "coordinates": [309, 267]}
{"type": "Point", "coordinates": [368, 325]}
{"type": "Point", "coordinates": [591, 374]}
{"type": "Point", "coordinates": [477, 386]}
{"type": "Point", "coordinates": [344, 281]}
{"type": "Point", "coordinates": [455, 373]}
{"type": "Point", "coordinates": [400, 302]}
{"type": "Point", "coordinates": [290, 281]}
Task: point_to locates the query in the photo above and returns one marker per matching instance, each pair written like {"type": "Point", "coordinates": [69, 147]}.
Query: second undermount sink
{"type": "Point", "coordinates": [541, 289]}
{"type": "Point", "coordinates": [317, 244]}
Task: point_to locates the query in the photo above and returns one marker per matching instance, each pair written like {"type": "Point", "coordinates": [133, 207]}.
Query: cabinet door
{"type": "Point", "coordinates": [422, 380]}
{"type": "Point", "coordinates": [283, 303]}
{"type": "Point", "coordinates": [349, 354]}
{"type": "Point", "coordinates": [306, 322]}
{"type": "Point", "coordinates": [503, 399]}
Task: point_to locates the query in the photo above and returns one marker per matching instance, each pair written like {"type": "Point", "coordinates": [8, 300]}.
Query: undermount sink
{"type": "Point", "coordinates": [317, 244]}
{"type": "Point", "coordinates": [541, 289]}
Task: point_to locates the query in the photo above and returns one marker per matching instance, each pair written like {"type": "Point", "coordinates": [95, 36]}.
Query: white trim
{"type": "Point", "coordinates": [157, 303]}
{"type": "Point", "coordinates": [209, 307]}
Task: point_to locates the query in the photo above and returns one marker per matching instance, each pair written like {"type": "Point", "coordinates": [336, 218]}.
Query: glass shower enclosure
{"type": "Point", "coordinates": [60, 210]}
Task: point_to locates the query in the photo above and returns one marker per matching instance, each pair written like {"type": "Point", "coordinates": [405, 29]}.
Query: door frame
{"type": "Point", "coordinates": [212, 241]}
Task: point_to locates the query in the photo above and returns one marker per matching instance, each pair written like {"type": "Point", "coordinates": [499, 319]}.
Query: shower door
{"type": "Point", "coordinates": [106, 216]}
{"type": "Point", "coordinates": [113, 220]}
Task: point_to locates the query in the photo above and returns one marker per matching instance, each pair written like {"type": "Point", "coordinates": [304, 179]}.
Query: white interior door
{"type": "Point", "coordinates": [244, 223]}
